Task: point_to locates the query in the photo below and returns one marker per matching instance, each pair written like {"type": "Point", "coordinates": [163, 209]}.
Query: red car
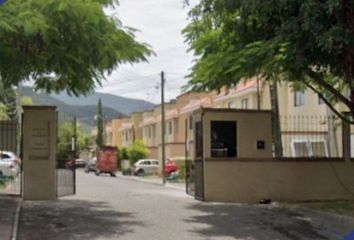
{"type": "Point", "coordinates": [170, 167]}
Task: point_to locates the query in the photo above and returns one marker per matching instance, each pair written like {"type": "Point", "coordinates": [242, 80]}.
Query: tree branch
{"type": "Point", "coordinates": [340, 115]}
{"type": "Point", "coordinates": [315, 76]}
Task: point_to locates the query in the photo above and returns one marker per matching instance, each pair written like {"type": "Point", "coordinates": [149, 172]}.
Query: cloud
{"type": "Point", "coordinates": [159, 23]}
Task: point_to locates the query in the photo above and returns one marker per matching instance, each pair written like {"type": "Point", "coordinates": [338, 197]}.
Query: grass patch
{"type": "Point", "coordinates": [339, 207]}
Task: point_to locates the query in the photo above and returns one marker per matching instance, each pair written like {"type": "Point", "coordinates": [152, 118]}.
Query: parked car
{"type": "Point", "coordinates": [170, 167]}
{"type": "Point", "coordinates": [9, 163]}
{"type": "Point", "coordinates": [80, 163]}
{"type": "Point", "coordinates": [145, 167]}
{"type": "Point", "coordinates": [91, 165]}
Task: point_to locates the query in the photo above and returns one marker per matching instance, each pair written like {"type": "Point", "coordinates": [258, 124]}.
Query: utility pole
{"type": "Point", "coordinates": [74, 138]}
{"type": "Point", "coordinates": [163, 125]}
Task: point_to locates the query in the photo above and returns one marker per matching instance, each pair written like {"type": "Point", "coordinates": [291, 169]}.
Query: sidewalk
{"type": "Point", "coordinates": [8, 206]}
{"type": "Point", "coordinates": [154, 180]}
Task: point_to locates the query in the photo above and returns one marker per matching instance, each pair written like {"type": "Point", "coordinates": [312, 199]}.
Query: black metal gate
{"type": "Point", "coordinates": [66, 178]}
{"type": "Point", "coordinates": [194, 166]}
{"type": "Point", "coordinates": [66, 172]}
{"type": "Point", "coordinates": [10, 162]}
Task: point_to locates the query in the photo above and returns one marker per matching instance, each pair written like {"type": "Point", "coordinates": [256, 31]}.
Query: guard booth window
{"type": "Point", "coordinates": [223, 139]}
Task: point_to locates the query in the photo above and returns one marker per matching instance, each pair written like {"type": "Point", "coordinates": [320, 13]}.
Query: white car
{"type": "Point", "coordinates": [145, 167]}
{"type": "Point", "coordinates": [9, 163]}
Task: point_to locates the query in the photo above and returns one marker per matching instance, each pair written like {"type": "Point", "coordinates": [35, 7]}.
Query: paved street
{"type": "Point", "coordinates": [116, 208]}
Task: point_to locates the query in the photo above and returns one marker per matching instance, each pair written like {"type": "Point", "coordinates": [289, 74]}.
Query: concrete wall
{"type": "Point", "coordinates": [250, 181]}
{"type": "Point", "coordinates": [39, 153]}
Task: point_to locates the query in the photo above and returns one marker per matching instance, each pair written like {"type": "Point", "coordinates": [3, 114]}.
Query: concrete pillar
{"type": "Point", "coordinates": [39, 152]}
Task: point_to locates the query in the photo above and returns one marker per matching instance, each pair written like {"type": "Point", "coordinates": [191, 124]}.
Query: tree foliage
{"type": "Point", "coordinates": [100, 124]}
{"type": "Point", "coordinates": [137, 151]}
{"type": "Point", "coordinates": [63, 45]}
{"type": "Point", "coordinates": [65, 134]}
{"type": "Point", "coordinates": [8, 98]}
{"type": "Point", "coordinates": [307, 42]}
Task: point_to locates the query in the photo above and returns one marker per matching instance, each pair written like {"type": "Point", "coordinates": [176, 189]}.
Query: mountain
{"type": "Point", "coordinates": [85, 114]}
{"type": "Point", "coordinates": [120, 104]}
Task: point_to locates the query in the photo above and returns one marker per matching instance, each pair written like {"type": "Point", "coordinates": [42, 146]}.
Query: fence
{"type": "Point", "coordinates": [65, 170]}
{"type": "Point", "coordinates": [311, 136]}
{"type": "Point", "coordinates": [10, 163]}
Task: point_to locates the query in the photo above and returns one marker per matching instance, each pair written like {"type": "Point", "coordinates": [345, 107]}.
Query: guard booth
{"type": "Point", "coordinates": [223, 136]}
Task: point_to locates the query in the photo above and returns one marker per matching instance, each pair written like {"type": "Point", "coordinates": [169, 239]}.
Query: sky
{"type": "Point", "coordinates": [159, 23]}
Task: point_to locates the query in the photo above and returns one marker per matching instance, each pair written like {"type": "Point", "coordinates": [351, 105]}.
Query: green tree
{"type": "Point", "coordinates": [137, 151]}
{"type": "Point", "coordinates": [25, 100]}
{"type": "Point", "coordinates": [3, 112]}
{"type": "Point", "coordinates": [9, 99]}
{"type": "Point", "coordinates": [309, 43]}
{"type": "Point", "coordinates": [65, 134]}
{"type": "Point", "coordinates": [68, 45]}
{"type": "Point", "coordinates": [100, 124]}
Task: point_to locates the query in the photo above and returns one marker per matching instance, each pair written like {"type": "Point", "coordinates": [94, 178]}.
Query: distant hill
{"type": "Point", "coordinates": [85, 114]}
{"type": "Point", "coordinates": [120, 104]}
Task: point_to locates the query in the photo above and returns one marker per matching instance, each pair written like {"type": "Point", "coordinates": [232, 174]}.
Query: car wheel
{"type": "Point", "coordinates": [113, 174]}
{"type": "Point", "coordinates": [140, 172]}
{"type": "Point", "coordinates": [87, 171]}
{"type": "Point", "coordinates": [97, 172]}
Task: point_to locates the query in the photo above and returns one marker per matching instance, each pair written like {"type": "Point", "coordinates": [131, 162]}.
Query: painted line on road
{"type": "Point", "coordinates": [16, 220]}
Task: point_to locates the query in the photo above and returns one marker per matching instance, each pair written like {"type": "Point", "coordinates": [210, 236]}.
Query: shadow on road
{"type": "Point", "coordinates": [260, 223]}
{"type": "Point", "coordinates": [72, 219]}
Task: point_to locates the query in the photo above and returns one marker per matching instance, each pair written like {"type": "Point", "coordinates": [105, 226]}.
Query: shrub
{"type": "Point", "coordinates": [137, 151]}
{"type": "Point", "coordinates": [181, 163]}
{"type": "Point", "coordinates": [123, 153]}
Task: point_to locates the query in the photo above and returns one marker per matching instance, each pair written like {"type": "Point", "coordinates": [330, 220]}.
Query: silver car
{"type": "Point", "coordinates": [9, 163]}
{"type": "Point", "coordinates": [146, 167]}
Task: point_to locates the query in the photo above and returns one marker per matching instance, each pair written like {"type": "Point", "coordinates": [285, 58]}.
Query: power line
{"type": "Point", "coordinates": [131, 80]}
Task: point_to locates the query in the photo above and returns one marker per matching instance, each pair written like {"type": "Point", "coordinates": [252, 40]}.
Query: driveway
{"type": "Point", "coordinates": [117, 208]}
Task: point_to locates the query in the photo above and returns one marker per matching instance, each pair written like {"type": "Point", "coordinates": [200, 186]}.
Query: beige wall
{"type": "Point", "coordinates": [280, 181]}
{"type": "Point", "coordinates": [251, 127]}
{"type": "Point", "coordinates": [39, 153]}
{"type": "Point", "coordinates": [136, 119]}
{"type": "Point", "coordinates": [116, 136]}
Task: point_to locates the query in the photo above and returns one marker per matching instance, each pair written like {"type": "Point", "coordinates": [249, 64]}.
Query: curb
{"type": "Point", "coordinates": [151, 182]}
{"type": "Point", "coordinates": [325, 214]}
{"type": "Point", "coordinates": [16, 220]}
{"type": "Point", "coordinates": [139, 180]}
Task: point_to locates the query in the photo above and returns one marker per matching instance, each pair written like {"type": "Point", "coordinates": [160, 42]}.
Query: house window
{"type": "Point", "coordinates": [301, 149]}
{"type": "Point", "coordinates": [299, 98]}
{"type": "Point", "coordinates": [170, 127]}
{"type": "Point", "coordinates": [149, 132]}
{"type": "Point", "coordinates": [223, 139]}
{"type": "Point", "coordinates": [231, 104]}
{"type": "Point", "coordinates": [318, 149]}
{"type": "Point", "coordinates": [190, 122]}
{"type": "Point", "coordinates": [176, 125]}
{"type": "Point", "coordinates": [309, 148]}
{"type": "Point", "coordinates": [244, 103]}
{"type": "Point", "coordinates": [320, 100]}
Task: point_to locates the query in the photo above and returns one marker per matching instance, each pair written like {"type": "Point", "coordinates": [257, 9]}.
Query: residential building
{"type": "Point", "coordinates": [308, 128]}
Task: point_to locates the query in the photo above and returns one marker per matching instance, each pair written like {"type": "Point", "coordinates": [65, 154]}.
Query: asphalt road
{"type": "Point", "coordinates": [117, 208]}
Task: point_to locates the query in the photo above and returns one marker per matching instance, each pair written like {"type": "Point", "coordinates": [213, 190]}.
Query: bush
{"type": "Point", "coordinates": [123, 153]}
{"type": "Point", "coordinates": [137, 151]}
{"type": "Point", "coordinates": [181, 163]}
